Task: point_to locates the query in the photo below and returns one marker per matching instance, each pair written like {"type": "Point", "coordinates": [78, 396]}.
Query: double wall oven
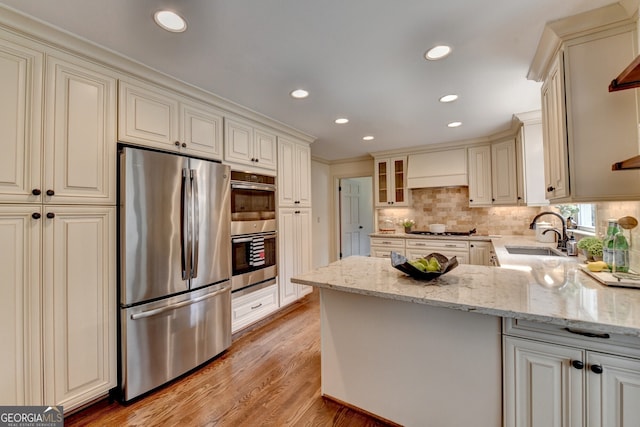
{"type": "Point", "coordinates": [253, 231]}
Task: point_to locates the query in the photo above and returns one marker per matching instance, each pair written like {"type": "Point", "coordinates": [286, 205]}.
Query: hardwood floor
{"type": "Point", "coordinates": [269, 377]}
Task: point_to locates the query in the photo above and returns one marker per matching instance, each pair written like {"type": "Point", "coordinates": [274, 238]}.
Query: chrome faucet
{"type": "Point", "coordinates": [562, 238]}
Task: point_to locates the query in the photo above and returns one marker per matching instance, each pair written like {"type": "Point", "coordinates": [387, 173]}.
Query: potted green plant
{"type": "Point", "coordinates": [407, 224]}
{"type": "Point", "coordinates": [591, 247]}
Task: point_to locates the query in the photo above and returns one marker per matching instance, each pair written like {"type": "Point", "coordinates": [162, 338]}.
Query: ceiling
{"type": "Point", "coordinates": [361, 59]}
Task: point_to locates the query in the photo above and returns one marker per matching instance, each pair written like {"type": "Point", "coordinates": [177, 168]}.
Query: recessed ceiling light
{"type": "Point", "coordinates": [342, 120]}
{"type": "Point", "coordinates": [170, 21]}
{"type": "Point", "coordinates": [367, 138]}
{"type": "Point", "coordinates": [449, 98]}
{"type": "Point", "coordinates": [454, 124]}
{"type": "Point", "coordinates": [299, 93]}
{"type": "Point", "coordinates": [437, 52]}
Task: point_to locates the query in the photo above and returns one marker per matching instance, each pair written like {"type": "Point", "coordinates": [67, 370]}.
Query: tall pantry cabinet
{"type": "Point", "coordinates": [294, 217]}
{"type": "Point", "coordinates": [57, 226]}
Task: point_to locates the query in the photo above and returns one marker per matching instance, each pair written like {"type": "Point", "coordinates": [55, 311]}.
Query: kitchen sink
{"type": "Point", "coordinates": [533, 250]}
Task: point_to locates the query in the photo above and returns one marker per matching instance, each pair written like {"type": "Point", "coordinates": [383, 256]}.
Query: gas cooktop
{"type": "Point", "coordinates": [446, 233]}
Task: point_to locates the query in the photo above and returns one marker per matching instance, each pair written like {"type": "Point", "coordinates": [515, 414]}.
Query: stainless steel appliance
{"type": "Point", "coordinates": [175, 267]}
{"type": "Point", "coordinates": [253, 230]}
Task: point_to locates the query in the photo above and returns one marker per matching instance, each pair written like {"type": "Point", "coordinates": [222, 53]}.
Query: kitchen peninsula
{"type": "Point", "coordinates": [439, 353]}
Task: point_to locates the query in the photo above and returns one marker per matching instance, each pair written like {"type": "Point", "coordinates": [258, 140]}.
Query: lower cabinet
{"type": "Point", "coordinates": [555, 385]}
{"type": "Point", "coordinates": [449, 248]}
{"type": "Point", "coordinates": [57, 304]}
{"type": "Point", "coordinates": [480, 253]}
{"type": "Point", "coordinates": [249, 308]}
{"type": "Point", "coordinates": [382, 247]}
{"type": "Point", "coordinates": [294, 252]}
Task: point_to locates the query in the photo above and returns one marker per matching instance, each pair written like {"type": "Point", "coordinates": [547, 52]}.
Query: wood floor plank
{"type": "Point", "coordinates": [269, 377]}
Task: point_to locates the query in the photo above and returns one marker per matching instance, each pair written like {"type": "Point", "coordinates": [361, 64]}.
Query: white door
{"type": "Point", "coordinates": [356, 216]}
{"type": "Point", "coordinates": [542, 388]}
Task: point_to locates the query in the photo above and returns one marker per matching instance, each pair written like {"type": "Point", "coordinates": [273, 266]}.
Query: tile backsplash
{"type": "Point", "coordinates": [450, 206]}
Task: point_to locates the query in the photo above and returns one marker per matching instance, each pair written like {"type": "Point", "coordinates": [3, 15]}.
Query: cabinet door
{"type": "Point", "coordinates": [265, 149]}
{"type": "Point", "coordinates": [80, 134]}
{"type": "Point", "coordinates": [480, 176]}
{"type": "Point", "coordinates": [286, 173]}
{"type": "Point", "coordinates": [391, 182]}
{"type": "Point", "coordinates": [541, 388]}
{"type": "Point", "coordinates": [503, 173]}
{"type": "Point", "coordinates": [20, 122]}
{"type": "Point", "coordinates": [238, 142]}
{"type": "Point", "coordinates": [201, 130]}
{"type": "Point", "coordinates": [613, 396]}
{"type": "Point", "coordinates": [303, 246]}
{"type": "Point", "coordinates": [147, 115]}
{"type": "Point", "coordinates": [480, 253]}
{"type": "Point", "coordinates": [303, 174]}
{"type": "Point", "coordinates": [79, 304]}
{"type": "Point", "coordinates": [556, 166]}
{"type": "Point", "coordinates": [20, 352]}
{"type": "Point", "coordinates": [287, 256]}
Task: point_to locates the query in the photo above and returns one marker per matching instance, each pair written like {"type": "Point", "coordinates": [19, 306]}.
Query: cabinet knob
{"type": "Point", "coordinates": [519, 198]}
{"type": "Point", "coordinates": [177, 143]}
{"type": "Point", "coordinates": [35, 215]}
{"type": "Point", "coordinates": [36, 192]}
{"type": "Point", "coordinates": [471, 200]}
{"type": "Point", "coordinates": [297, 212]}
{"type": "Point", "coordinates": [493, 200]}
{"type": "Point", "coordinates": [51, 215]}
{"type": "Point", "coordinates": [184, 145]}
{"type": "Point", "coordinates": [577, 364]}
{"type": "Point", "coordinates": [50, 192]}
{"type": "Point", "coordinates": [550, 188]}
{"type": "Point", "coordinates": [257, 160]}
{"type": "Point", "coordinates": [596, 369]}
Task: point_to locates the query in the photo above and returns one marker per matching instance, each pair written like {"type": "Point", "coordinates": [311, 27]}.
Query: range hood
{"type": "Point", "coordinates": [629, 78]}
{"type": "Point", "coordinates": [446, 168]}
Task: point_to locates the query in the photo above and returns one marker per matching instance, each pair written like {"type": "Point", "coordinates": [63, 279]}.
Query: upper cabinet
{"type": "Point", "coordinates": [530, 160]}
{"type": "Point", "coordinates": [246, 144]}
{"type": "Point", "coordinates": [294, 173]}
{"type": "Point", "coordinates": [391, 182]}
{"type": "Point", "coordinates": [587, 128]}
{"type": "Point", "coordinates": [494, 176]}
{"type": "Point", "coordinates": [155, 117]}
{"type": "Point", "coordinates": [21, 76]}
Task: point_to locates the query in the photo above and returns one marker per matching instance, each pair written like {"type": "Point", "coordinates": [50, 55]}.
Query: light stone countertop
{"type": "Point", "coordinates": [473, 237]}
{"type": "Point", "coordinates": [538, 288]}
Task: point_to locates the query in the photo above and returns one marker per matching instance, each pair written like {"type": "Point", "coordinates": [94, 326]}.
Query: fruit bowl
{"type": "Point", "coordinates": [402, 263]}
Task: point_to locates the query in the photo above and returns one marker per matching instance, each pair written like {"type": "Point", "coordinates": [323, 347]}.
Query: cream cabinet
{"type": "Point", "coordinates": [79, 291]}
{"type": "Point", "coordinates": [249, 308]}
{"type": "Point", "coordinates": [294, 252]}
{"type": "Point", "coordinates": [390, 182]}
{"type": "Point", "coordinates": [530, 160]}
{"type": "Point", "coordinates": [493, 174]}
{"type": "Point", "coordinates": [21, 77]}
{"type": "Point", "coordinates": [480, 186]}
{"type": "Point", "coordinates": [249, 145]}
{"type": "Point", "coordinates": [555, 376]}
{"type": "Point", "coordinates": [20, 299]}
{"type": "Point", "coordinates": [381, 247]}
{"type": "Point", "coordinates": [294, 173]}
{"type": "Point", "coordinates": [151, 116]}
{"type": "Point", "coordinates": [79, 133]}
{"type": "Point", "coordinates": [418, 248]}
{"type": "Point", "coordinates": [586, 128]}
{"type": "Point", "coordinates": [480, 253]}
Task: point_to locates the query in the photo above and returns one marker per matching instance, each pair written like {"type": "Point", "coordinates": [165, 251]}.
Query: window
{"type": "Point", "coordinates": [584, 214]}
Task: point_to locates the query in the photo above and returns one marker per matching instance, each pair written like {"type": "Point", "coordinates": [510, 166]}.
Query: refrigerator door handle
{"type": "Point", "coordinates": [161, 310]}
{"type": "Point", "coordinates": [196, 222]}
{"type": "Point", "coordinates": [185, 227]}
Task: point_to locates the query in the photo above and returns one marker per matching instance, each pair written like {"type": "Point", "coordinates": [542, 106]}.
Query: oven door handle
{"type": "Point", "coordinates": [243, 186]}
{"type": "Point", "coordinates": [251, 237]}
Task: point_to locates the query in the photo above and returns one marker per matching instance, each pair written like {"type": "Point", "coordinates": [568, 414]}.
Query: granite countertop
{"type": "Point", "coordinates": [544, 289]}
{"type": "Point", "coordinates": [473, 237]}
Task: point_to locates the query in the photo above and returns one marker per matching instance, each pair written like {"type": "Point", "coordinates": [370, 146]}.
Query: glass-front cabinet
{"type": "Point", "coordinates": [391, 181]}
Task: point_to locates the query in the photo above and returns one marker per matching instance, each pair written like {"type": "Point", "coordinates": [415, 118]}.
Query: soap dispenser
{"type": "Point", "coordinates": [572, 246]}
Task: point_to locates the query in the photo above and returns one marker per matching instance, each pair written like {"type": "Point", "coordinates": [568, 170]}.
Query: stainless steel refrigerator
{"type": "Point", "coordinates": [175, 267]}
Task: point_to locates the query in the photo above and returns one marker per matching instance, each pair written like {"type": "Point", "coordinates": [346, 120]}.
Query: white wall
{"type": "Point", "coordinates": [321, 212]}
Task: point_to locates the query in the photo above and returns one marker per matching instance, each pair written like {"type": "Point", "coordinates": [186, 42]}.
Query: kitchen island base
{"type": "Point", "coordinates": [412, 364]}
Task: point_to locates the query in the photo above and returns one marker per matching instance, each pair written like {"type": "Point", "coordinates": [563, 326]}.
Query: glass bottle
{"type": "Point", "coordinates": [607, 244]}
{"type": "Point", "coordinates": [620, 253]}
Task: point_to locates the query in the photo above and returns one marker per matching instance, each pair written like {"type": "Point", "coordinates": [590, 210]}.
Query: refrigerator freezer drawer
{"type": "Point", "coordinates": [164, 339]}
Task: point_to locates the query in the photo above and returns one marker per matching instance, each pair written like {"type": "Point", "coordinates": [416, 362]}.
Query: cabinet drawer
{"type": "Point", "coordinates": [254, 306]}
{"type": "Point", "coordinates": [388, 242]}
{"type": "Point", "coordinates": [385, 252]}
{"type": "Point", "coordinates": [578, 337]}
{"type": "Point", "coordinates": [435, 245]}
